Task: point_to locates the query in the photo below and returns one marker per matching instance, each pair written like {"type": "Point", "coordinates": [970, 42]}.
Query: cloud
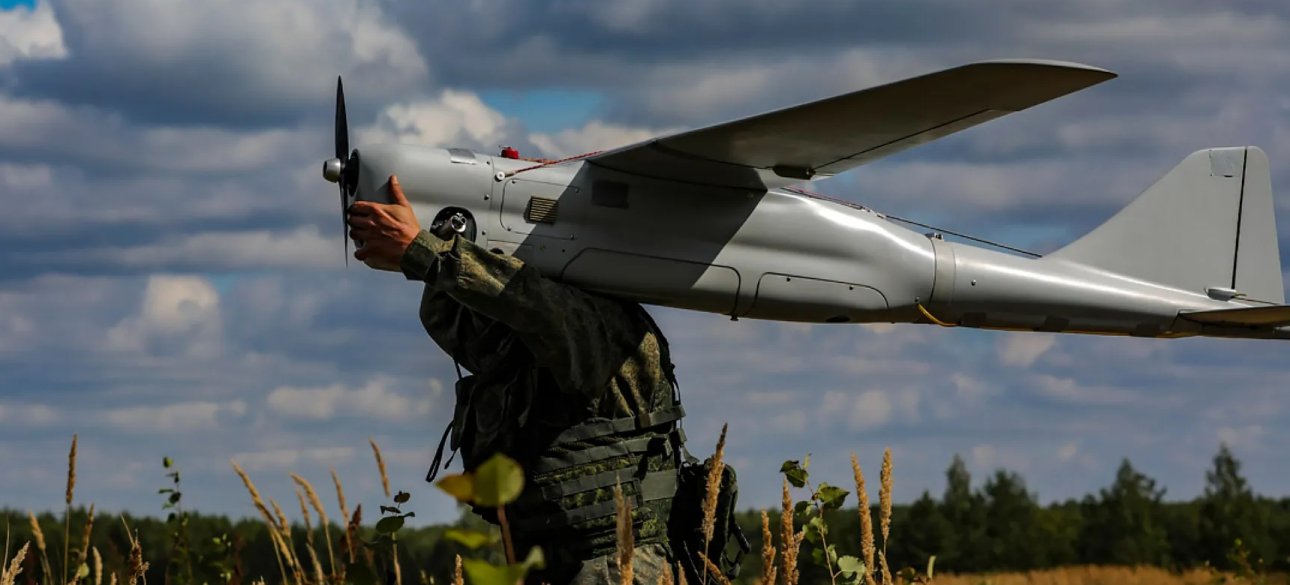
{"type": "Point", "coordinates": [30, 33]}
{"type": "Point", "coordinates": [593, 136]}
{"type": "Point", "coordinates": [377, 399]}
{"type": "Point", "coordinates": [177, 314]}
{"type": "Point", "coordinates": [1023, 350]}
{"type": "Point", "coordinates": [453, 118]}
{"type": "Point", "coordinates": [200, 61]}
{"type": "Point", "coordinates": [179, 417]}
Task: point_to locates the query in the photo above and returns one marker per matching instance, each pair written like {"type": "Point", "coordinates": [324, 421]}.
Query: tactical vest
{"type": "Point", "coordinates": [568, 505]}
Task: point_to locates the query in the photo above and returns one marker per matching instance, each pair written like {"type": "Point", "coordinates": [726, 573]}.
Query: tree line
{"type": "Point", "coordinates": [998, 526]}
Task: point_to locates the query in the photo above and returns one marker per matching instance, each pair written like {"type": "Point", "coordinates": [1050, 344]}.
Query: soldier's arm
{"type": "Point", "coordinates": [581, 337]}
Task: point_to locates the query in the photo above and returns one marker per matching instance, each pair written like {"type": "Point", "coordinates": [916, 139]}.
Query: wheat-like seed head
{"type": "Point", "coordinates": [255, 496]}
{"type": "Point", "coordinates": [98, 566]}
{"type": "Point", "coordinates": [37, 533]}
{"type": "Point", "coordinates": [767, 551]}
{"type": "Point", "coordinates": [304, 510]}
{"type": "Point", "coordinates": [283, 526]}
{"type": "Point", "coordinates": [340, 495]}
{"type": "Point", "coordinates": [884, 503]}
{"type": "Point", "coordinates": [713, 488]}
{"type": "Point", "coordinates": [665, 576]}
{"type": "Point", "coordinates": [319, 577]}
{"type": "Point", "coordinates": [137, 566]}
{"type": "Point", "coordinates": [680, 575]}
{"type": "Point", "coordinates": [711, 568]}
{"type": "Point", "coordinates": [789, 539]}
{"type": "Point", "coordinates": [71, 471]}
{"type": "Point", "coordinates": [626, 541]}
{"type": "Point", "coordinates": [380, 465]}
{"type": "Point", "coordinates": [9, 575]}
{"type": "Point", "coordinates": [866, 521]}
{"type": "Point", "coordinates": [314, 500]}
{"type": "Point", "coordinates": [457, 578]}
{"type": "Point", "coordinates": [85, 536]}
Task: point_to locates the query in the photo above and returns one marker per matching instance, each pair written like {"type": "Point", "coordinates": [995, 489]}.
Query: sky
{"type": "Point", "coordinates": [172, 281]}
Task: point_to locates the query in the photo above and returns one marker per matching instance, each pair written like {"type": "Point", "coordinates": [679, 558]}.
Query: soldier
{"type": "Point", "coordinates": [575, 386]}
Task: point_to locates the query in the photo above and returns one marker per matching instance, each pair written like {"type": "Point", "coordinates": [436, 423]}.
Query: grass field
{"type": "Point", "coordinates": [311, 549]}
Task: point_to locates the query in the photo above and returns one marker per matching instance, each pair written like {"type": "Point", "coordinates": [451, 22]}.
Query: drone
{"type": "Point", "coordinates": [715, 220]}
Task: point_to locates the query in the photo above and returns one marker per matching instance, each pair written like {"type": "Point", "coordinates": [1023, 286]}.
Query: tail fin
{"type": "Point", "coordinates": [1207, 224]}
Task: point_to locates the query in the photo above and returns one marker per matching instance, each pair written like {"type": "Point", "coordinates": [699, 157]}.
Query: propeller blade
{"type": "Point", "coordinates": [344, 223]}
{"type": "Point", "coordinates": [342, 124]}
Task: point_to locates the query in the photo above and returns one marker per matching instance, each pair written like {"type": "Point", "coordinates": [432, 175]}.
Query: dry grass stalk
{"type": "Point", "coordinates": [98, 566]}
{"type": "Point", "coordinates": [316, 502]}
{"type": "Point", "coordinates": [884, 506]}
{"type": "Point", "coordinates": [71, 472]}
{"type": "Point", "coordinates": [709, 567]}
{"type": "Point", "coordinates": [351, 531]}
{"type": "Point", "coordinates": [789, 540]}
{"type": "Point", "coordinates": [113, 580]}
{"type": "Point", "coordinates": [380, 465]}
{"type": "Point", "coordinates": [665, 576]}
{"type": "Point", "coordinates": [287, 542]}
{"type": "Point", "coordinates": [457, 578]}
{"type": "Point", "coordinates": [136, 567]}
{"type": "Point", "coordinates": [319, 577]}
{"type": "Point", "coordinates": [340, 495]}
{"type": "Point", "coordinates": [767, 551]}
{"type": "Point", "coordinates": [82, 554]}
{"type": "Point", "coordinates": [680, 575]}
{"type": "Point", "coordinates": [67, 512]}
{"type": "Point", "coordinates": [37, 533]}
{"type": "Point", "coordinates": [866, 521]}
{"type": "Point", "coordinates": [304, 512]}
{"type": "Point", "coordinates": [713, 488]}
{"type": "Point", "coordinates": [626, 541]}
{"type": "Point", "coordinates": [255, 496]}
{"type": "Point", "coordinates": [8, 576]}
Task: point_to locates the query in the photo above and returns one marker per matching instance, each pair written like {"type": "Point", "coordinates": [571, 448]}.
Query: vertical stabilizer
{"type": "Point", "coordinates": [1207, 224]}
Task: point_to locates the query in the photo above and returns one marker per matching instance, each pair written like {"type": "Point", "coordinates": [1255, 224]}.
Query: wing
{"type": "Point", "coordinates": [833, 135]}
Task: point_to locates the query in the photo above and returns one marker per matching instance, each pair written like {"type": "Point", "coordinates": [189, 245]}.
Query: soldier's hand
{"type": "Point", "coordinates": [384, 230]}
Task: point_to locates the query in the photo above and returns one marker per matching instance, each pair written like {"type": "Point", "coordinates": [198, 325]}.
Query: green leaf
{"type": "Point", "coordinates": [931, 566]}
{"type": "Point", "coordinates": [498, 481]}
{"type": "Point", "coordinates": [850, 564]}
{"type": "Point", "coordinates": [164, 490]}
{"type": "Point", "coordinates": [815, 530]}
{"type": "Point", "coordinates": [389, 524]}
{"type": "Point", "coordinates": [166, 462]}
{"type": "Point", "coordinates": [794, 472]}
{"type": "Point", "coordinates": [803, 510]}
{"type": "Point", "coordinates": [830, 496]}
{"type": "Point", "coordinates": [484, 573]}
{"type": "Point", "coordinates": [535, 560]}
{"type": "Point", "coordinates": [174, 498]}
{"type": "Point", "coordinates": [471, 539]}
{"type": "Point", "coordinates": [460, 486]}
{"type": "Point", "coordinates": [389, 510]}
{"type": "Point", "coordinates": [402, 497]}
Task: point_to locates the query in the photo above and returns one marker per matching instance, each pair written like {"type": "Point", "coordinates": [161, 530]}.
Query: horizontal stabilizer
{"type": "Point", "coordinates": [1275, 316]}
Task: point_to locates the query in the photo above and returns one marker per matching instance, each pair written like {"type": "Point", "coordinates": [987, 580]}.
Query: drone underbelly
{"type": "Point", "coordinates": [761, 255]}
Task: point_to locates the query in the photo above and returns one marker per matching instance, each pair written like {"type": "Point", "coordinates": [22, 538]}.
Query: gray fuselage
{"type": "Point", "coordinates": [775, 254]}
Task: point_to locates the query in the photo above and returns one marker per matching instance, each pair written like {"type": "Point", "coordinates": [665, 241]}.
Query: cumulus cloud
{"type": "Point", "coordinates": [183, 416]}
{"type": "Point", "coordinates": [178, 314]}
{"type": "Point", "coordinates": [30, 33]}
{"type": "Point", "coordinates": [378, 399]}
{"type": "Point", "coordinates": [1023, 350]}
{"type": "Point", "coordinates": [594, 135]}
{"type": "Point", "coordinates": [454, 118]}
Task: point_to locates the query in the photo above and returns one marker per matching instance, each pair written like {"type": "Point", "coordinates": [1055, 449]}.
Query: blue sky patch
{"type": "Point", "coordinates": [10, 4]}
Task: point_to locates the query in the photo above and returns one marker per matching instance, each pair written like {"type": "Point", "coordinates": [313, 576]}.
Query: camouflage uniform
{"type": "Point", "coordinates": [575, 386]}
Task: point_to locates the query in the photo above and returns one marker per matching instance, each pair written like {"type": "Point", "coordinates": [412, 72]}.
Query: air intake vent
{"type": "Point", "coordinates": [541, 210]}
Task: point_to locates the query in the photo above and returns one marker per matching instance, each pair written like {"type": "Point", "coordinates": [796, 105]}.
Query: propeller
{"type": "Point", "coordinates": [337, 169]}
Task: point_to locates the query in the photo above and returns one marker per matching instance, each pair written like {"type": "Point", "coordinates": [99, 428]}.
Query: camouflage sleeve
{"type": "Point", "coordinates": [582, 338]}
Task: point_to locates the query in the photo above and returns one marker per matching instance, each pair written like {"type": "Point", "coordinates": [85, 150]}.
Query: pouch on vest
{"type": "Point", "coordinates": [685, 527]}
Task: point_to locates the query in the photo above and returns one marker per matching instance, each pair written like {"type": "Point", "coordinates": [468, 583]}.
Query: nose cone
{"type": "Point", "coordinates": [333, 169]}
